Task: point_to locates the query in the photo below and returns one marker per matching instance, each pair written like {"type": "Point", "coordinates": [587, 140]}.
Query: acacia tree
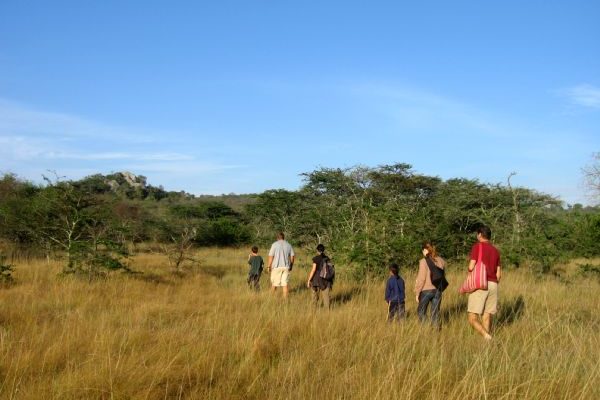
{"type": "Point", "coordinates": [331, 199]}
{"type": "Point", "coordinates": [401, 197]}
{"type": "Point", "coordinates": [369, 216]}
{"type": "Point", "coordinates": [365, 214]}
{"type": "Point", "coordinates": [179, 248]}
{"type": "Point", "coordinates": [79, 225]}
{"type": "Point", "coordinates": [61, 211]}
{"type": "Point", "coordinates": [591, 174]}
{"type": "Point", "coordinates": [275, 210]}
{"type": "Point", "coordinates": [17, 222]}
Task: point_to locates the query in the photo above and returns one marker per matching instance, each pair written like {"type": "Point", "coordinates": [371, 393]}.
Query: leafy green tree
{"type": "Point", "coordinates": [78, 225]}
{"type": "Point", "coordinates": [275, 210]}
{"type": "Point", "coordinates": [17, 224]}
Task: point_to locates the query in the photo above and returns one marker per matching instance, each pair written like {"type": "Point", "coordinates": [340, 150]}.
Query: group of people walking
{"type": "Point", "coordinates": [280, 265]}
{"type": "Point", "coordinates": [429, 284]}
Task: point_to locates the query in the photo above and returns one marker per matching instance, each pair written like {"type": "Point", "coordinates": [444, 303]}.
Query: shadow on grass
{"type": "Point", "coordinates": [345, 296]}
{"type": "Point", "coordinates": [454, 311]}
{"type": "Point", "coordinates": [337, 298]}
{"type": "Point", "coordinates": [298, 288]}
{"type": "Point", "coordinates": [216, 272]}
{"type": "Point", "coordinates": [511, 311]}
{"type": "Point", "coordinates": [149, 277]}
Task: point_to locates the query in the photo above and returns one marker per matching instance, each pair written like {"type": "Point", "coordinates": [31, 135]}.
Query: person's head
{"type": "Point", "coordinates": [484, 233]}
{"type": "Point", "coordinates": [394, 269]}
{"type": "Point", "coordinates": [428, 250]}
{"type": "Point", "coordinates": [321, 248]}
{"type": "Point", "coordinates": [255, 249]}
{"type": "Point", "coordinates": [280, 236]}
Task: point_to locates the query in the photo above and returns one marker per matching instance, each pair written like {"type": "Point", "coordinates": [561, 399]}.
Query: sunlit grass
{"type": "Point", "coordinates": [205, 335]}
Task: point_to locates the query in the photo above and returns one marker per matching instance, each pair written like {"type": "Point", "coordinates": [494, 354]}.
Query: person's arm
{"type": "Point", "coordinates": [472, 265]}
{"type": "Point", "coordinates": [474, 255]}
{"type": "Point", "coordinates": [420, 282]}
{"type": "Point", "coordinates": [388, 292]}
{"type": "Point", "coordinates": [498, 270]}
{"type": "Point", "coordinates": [292, 257]}
{"type": "Point", "coordinates": [311, 274]}
{"type": "Point", "coordinates": [271, 255]}
{"type": "Point", "coordinates": [402, 292]}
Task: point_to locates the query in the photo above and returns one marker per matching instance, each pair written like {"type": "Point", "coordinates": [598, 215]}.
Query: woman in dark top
{"type": "Point", "coordinates": [316, 283]}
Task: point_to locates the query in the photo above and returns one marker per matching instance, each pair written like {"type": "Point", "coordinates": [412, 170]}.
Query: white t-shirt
{"type": "Point", "coordinates": [281, 251]}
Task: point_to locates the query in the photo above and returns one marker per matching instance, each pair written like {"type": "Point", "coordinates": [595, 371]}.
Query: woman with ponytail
{"type": "Point", "coordinates": [425, 290]}
{"type": "Point", "coordinates": [316, 282]}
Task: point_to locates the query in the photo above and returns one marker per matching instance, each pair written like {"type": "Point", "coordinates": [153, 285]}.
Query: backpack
{"type": "Point", "coordinates": [327, 271]}
{"type": "Point", "coordinates": [438, 275]}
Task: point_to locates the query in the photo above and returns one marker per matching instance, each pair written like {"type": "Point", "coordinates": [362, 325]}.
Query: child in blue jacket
{"type": "Point", "coordinates": [394, 294]}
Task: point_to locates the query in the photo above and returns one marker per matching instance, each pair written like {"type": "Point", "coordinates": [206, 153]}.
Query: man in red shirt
{"type": "Point", "coordinates": [484, 303]}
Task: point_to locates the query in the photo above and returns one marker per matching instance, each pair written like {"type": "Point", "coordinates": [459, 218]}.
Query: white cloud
{"type": "Point", "coordinates": [19, 148]}
{"type": "Point", "coordinates": [433, 126]}
{"type": "Point", "coordinates": [584, 95]}
{"type": "Point", "coordinates": [188, 168]}
{"type": "Point", "coordinates": [19, 120]}
{"type": "Point", "coordinates": [31, 149]}
{"type": "Point", "coordinates": [34, 141]}
{"type": "Point", "coordinates": [416, 109]}
{"type": "Point", "coordinates": [120, 156]}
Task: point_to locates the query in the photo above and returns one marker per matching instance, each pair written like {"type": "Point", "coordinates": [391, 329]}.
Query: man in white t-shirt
{"type": "Point", "coordinates": [281, 261]}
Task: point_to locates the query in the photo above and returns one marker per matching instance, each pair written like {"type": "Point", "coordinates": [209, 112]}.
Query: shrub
{"type": "Point", "coordinates": [6, 271]}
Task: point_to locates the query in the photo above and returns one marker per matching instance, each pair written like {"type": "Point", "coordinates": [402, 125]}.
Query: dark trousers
{"type": "Point", "coordinates": [324, 296]}
{"type": "Point", "coordinates": [395, 311]}
{"type": "Point", "coordinates": [426, 297]}
{"type": "Point", "coordinates": [254, 282]}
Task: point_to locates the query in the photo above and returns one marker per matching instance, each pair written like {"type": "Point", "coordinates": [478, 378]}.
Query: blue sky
{"type": "Point", "coordinates": [243, 96]}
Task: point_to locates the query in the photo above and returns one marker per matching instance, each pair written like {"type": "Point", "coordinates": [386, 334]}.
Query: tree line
{"type": "Point", "coordinates": [366, 216]}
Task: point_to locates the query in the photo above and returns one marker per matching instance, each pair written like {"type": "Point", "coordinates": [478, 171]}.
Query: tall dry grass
{"type": "Point", "coordinates": [206, 336]}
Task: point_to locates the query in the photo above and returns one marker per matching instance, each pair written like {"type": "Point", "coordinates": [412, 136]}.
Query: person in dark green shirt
{"type": "Point", "coordinates": [256, 266]}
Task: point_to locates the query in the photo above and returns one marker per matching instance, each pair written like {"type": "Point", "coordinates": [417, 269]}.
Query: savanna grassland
{"type": "Point", "coordinates": [204, 335]}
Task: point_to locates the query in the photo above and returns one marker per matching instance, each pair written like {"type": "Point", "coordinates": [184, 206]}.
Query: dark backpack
{"type": "Point", "coordinates": [327, 271]}
{"type": "Point", "coordinates": [438, 275]}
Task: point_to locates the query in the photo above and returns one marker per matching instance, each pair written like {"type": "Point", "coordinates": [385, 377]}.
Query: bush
{"type": "Point", "coordinates": [589, 271]}
{"type": "Point", "coordinates": [6, 271]}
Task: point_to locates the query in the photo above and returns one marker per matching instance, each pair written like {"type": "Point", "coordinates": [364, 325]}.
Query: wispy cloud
{"type": "Point", "coordinates": [29, 149]}
{"type": "Point", "coordinates": [34, 141]}
{"type": "Point", "coordinates": [431, 126]}
{"type": "Point", "coordinates": [186, 169]}
{"type": "Point", "coordinates": [120, 156]}
{"type": "Point", "coordinates": [17, 119]}
{"type": "Point", "coordinates": [19, 148]}
{"type": "Point", "coordinates": [414, 108]}
{"type": "Point", "coordinates": [584, 95]}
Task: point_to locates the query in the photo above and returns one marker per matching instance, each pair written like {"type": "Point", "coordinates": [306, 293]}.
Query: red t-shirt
{"type": "Point", "coordinates": [490, 257]}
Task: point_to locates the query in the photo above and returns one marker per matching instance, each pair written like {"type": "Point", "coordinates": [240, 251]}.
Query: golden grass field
{"type": "Point", "coordinates": [206, 336]}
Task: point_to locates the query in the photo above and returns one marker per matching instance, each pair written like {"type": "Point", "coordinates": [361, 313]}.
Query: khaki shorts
{"type": "Point", "coordinates": [484, 301]}
{"type": "Point", "coordinates": [280, 276]}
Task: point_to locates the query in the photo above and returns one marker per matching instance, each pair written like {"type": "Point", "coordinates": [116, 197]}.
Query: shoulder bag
{"type": "Point", "coordinates": [477, 278]}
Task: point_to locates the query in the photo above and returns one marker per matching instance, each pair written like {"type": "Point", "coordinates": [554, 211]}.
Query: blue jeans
{"type": "Point", "coordinates": [395, 311]}
{"type": "Point", "coordinates": [435, 298]}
